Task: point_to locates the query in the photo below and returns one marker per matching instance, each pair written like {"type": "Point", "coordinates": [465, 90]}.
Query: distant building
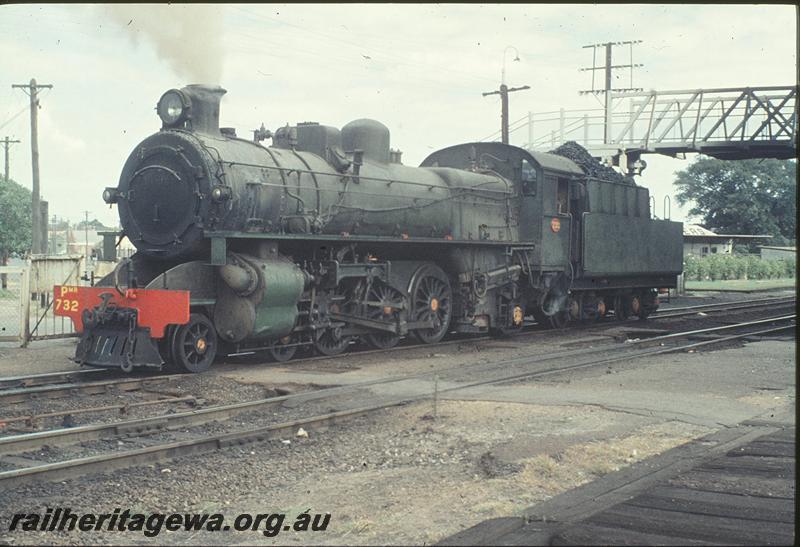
{"type": "Point", "coordinates": [776, 253]}
{"type": "Point", "coordinates": [699, 241]}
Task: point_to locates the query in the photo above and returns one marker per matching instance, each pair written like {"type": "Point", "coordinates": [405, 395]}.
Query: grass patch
{"type": "Point", "coordinates": [741, 284]}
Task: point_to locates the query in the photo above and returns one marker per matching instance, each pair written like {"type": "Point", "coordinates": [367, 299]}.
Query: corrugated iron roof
{"type": "Point", "coordinates": [695, 230]}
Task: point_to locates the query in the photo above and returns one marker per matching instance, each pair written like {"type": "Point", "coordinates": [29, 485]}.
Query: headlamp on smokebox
{"type": "Point", "coordinates": [110, 195]}
{"type": "Point", "coordinates": [173, 107]}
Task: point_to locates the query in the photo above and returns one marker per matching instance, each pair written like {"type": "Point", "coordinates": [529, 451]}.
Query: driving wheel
{"type": "Point", "coordinates": [431, 300]}
{"type": "Point", "coordinates": [385, 303]}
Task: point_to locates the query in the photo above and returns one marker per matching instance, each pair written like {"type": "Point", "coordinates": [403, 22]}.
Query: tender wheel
{"type": "Point", "coordinates": [622, 308]}
{"type": "Point", "coordinates": [565, 309]}
{"type": "Point", "coordinates": [600, 306]}
{"type": "Point", "coordinates": [194, 345]}
{"type": "Point", "coordinates": [388, 301]}
{"type": "Point", "coordinates": [431, 300]}
{"type": "Point", "coordinates": [516, 321]}
{"type": "Point", "coordinates": [638, 307]}
{"type": "Point", "coordinates": [331, 342]}
{"type": "Point", "coordinates": [559, 320]}
{"type": "Point", "coordinates": [648, 304]}
{"type": "Point", "coordinates": [540, 317]}
{"type": "Point", "coordinates": [281, 351]}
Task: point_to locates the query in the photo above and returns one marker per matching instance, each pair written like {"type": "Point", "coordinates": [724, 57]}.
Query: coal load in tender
{"type": "Point", "coordinates": [577, 153]}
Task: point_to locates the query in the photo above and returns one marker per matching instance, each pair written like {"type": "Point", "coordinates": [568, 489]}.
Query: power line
{"type": "Point", "coordinates": [513, 126]}
{"type": "Point", "coordinates": [14, 117]}
{"type": "Point", "coordinates": [23, 109]}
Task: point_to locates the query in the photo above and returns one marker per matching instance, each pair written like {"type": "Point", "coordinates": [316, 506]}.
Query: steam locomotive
{"type": "Point", "coordinates": [325, 238]}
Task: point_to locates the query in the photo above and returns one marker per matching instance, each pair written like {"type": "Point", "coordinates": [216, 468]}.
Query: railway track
{"type": "Point", "coordinates": [94, 381]}
{"type": "Point", "coordinates": [55, 391]}
{"type": "Point", "coordinates": [724, 307]}
{"type": "Point", "coordinates": [451, 380]}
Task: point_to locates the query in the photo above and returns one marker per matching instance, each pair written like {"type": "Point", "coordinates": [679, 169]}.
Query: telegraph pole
{"type": "Point", "coordinates": [7, 144]}
{"type": "Point", "coordinates": [608, 68]}
{"type": "Point", "coordinates": [503, 92]}
{"type": "Point", "coordinates": [32, 89]}
{"type": "Point", "coordinates": [86, 241]}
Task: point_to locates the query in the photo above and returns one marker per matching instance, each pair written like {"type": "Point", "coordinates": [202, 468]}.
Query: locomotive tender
{"type": "Point", "coordinates": [325, 237]}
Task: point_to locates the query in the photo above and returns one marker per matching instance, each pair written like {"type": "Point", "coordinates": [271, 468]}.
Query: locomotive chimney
{"type": "Point", "coordinates": [205, 107]}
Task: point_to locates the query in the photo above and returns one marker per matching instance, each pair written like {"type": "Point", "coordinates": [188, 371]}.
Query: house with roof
{"type": "Point", "coordinates": [700, 241]}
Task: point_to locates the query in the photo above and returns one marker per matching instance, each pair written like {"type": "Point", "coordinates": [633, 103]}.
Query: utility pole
{"type": "Point", "coordinates": [54, 238]}
{"type": "Point", "coordinates": [86, 235]}
{"type": "Point", "coordinates": [32, 89]}
{"type": "Point", "coordinates": [7, 144]}
{"type": "Point", "coordinates": [503, 92]}
{"type": "Point", "coordinates": [608, 88]}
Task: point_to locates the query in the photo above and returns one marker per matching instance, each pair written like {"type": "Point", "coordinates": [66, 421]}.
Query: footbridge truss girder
{"type": "Point", "coordinates": [726, 123]}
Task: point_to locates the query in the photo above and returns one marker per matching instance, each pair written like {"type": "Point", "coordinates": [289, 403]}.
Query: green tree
{"type": "Point", "coordinates": [742, 197]}
{"type": "Point", "coordinates": [15, 221]}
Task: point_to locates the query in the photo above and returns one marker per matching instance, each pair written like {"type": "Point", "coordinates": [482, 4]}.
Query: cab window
{"type": "Point", "coordinates": [528, 178]}
{"type": "Point", "coordinates": [561, 197]}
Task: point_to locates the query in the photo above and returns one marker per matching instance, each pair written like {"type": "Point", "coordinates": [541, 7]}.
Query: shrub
{"type": "Point", "coordinates": [691, 267]}
{"type": "Point", "coordinates": [716, 267]}
{"type": "Point", "coordinates": [739, 267]}
{"type": "Point", "coordinates": [790, 267]}
{"type": "Point", "coordinates": [703, 269]}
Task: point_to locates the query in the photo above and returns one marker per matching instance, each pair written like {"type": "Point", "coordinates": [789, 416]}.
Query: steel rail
{"type": "Point", "coordinates": [46, 378]}
{"type": "Point", "coordinates": [123, 408]}
{"type": "Point", "coordinates": [25, 383]}
{"type": "Point", "coordinates": [722, 306]}
{"type": "Point", "coordinates": [60, 437]}
{"type": "Point", "coordinates": [645, 353]}
{"type": "Point", "coordinates": [57, 437]}
{"type": "Point", "coordinates": [107, 462]}
{"type": "Point", "coordinates": [130, 383]}
{"type": "Point", "coordinates": [79, 466]}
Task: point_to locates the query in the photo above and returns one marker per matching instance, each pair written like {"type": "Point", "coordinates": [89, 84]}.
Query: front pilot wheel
{"type": "Point", "coordinates": [194, 345]}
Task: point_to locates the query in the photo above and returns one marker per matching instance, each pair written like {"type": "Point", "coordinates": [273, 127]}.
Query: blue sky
{"type": "Point", "coordinates": [420, 69]}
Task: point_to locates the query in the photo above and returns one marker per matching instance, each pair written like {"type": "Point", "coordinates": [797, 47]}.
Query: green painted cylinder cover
{"type": "Point", "coordinates": [276, 313]}
{"type": "Point", "coordinates": [257, 297]}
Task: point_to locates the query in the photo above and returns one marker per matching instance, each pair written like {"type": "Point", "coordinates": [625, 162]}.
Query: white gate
{"type": "Point", "coordinates": [45, 272]}
{"type": "Point", "coordinates": [13, 307]}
